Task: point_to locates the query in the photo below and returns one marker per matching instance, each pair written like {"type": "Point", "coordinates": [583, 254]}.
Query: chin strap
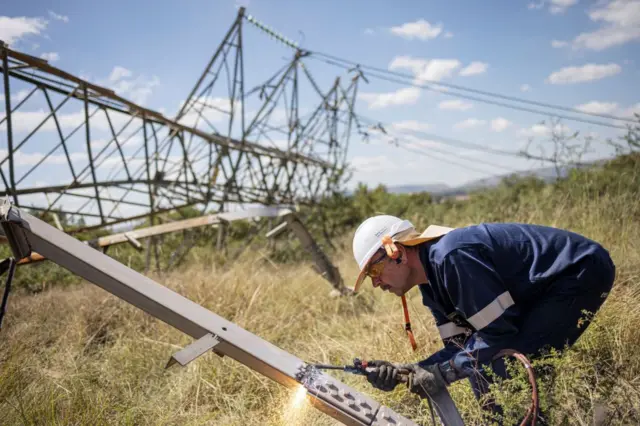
{"type": "Point", "coordinates": [392, 251]}
{"type": "Point", "coordinates": [407, 323]}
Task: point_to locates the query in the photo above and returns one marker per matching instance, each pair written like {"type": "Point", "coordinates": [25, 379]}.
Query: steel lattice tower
{"type": "Point", "coordinates": [78, 149]}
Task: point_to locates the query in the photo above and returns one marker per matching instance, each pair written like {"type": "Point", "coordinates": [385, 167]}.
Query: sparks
{"type": "Point", "coordinates": [296, 409]}
{"type": "Point", "coordinates": [299, 397]}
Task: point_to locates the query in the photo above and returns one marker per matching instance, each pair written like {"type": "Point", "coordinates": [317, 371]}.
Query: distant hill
{"type": "Point", "coordinates": [435, 188]}
{"type": "Point", "coordinates": [442, 189]}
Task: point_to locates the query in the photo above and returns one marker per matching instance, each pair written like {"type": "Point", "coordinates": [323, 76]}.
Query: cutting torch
{"type": "Point", "coordinates": [362, 368]}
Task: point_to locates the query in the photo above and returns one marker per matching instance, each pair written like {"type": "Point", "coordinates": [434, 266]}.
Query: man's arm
{"type": "Point", "coordinates": [453, 338]}
{"type": "Point", "coordinates": [480, 296]}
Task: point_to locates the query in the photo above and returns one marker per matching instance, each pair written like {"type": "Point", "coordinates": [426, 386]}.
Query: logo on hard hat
{"type": "Point", "coordinates": [382, 232]}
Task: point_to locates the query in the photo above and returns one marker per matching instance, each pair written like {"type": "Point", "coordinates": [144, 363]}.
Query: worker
{"type": "Point", "coordinates": [490, 287]}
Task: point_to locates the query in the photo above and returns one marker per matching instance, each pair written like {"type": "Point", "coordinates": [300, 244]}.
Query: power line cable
{"type": "Point", "coordinates": [349, 64]}
{"type": "Point", "coordinates": [444, 139]}
{"type": "Point", "coordinates": [469, 145]}
{"type": "Point", "coordinates": [487, 101]}
{"type": "Point", "coordinates": [447, 160]}
{"type": "Point", "coordinates": [430, 153]}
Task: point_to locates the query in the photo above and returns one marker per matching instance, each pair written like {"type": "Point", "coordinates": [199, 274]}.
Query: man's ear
{"type": "Point", "coordinates": [404, 255]}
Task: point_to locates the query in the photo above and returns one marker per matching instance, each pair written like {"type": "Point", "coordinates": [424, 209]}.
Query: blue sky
{"type": "Point", "coordinates": [572, 53]}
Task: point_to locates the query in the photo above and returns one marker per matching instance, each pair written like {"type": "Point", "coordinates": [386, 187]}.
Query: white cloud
{"type": "Point", "coordinates": [455, 105]}
{"type": "Point", "coordinates": [557, 44]}
{"type": "Point", "coordinates": [118, 73]}
{"type": "Point", "coordinates": [372, 164]}
{"type": "Point", "coordinates": [588, 72]}
{"type": "Point", "coordinates": [606, 37]}
{"type": "Point", "coordinates": [596, 107]}
{"type": "Point", "coordinates": [448, 34]}
{"type": "Point", "coordinates": [419, 143]}
{"type": "Point", "coordinates": [122, 81]}
{"type": "Point", "coordinates": [500, 124]}
{"type": "Point", "coordinates": [26, 121]}
{"type": "Point", "coordinates": [559, 6]}
{"type": "Point", "coordinates": [98, 144]}
{"type": "Point", "coordinates": [413, 64]}
{"type": "Point", "coordinates": [13, 29]}
{"type": "Point", "coordinates": [620, 21]}
{"type": "Point", "coordinates": [625, 13]}
{"type": "Point", "coordinates": [631, 111]}
{"type": "Point", "coordinates": [405, 96]}
{"type": "Point", "coordinates": [438, 69]}
{"type": "Point", "coordinates": [555, 6]}
{"type": "Point", "coordinates": [57, 17]}
{"type": "Point", "coordinates": [474, 68]}
{"type": "Point", "coordinates": [525, 88]}
{"type": "Point", "coordinates": [410, 125]}
{"type": "Point", "coordinates": [544, 130]}
{"type": "Point", "coordinates": [469, 123]}
{"type": "Point", "coordinates": [22, 158]}
{"type": "Point", "coordinates": [419, 29]}
{"type": "Point", "coordinates": [50, 56]}
{"type": "Point", "coordinates": [19, 96]}
{"type": "Point", "coordinates": [426, 69]}
{"type": "Point", "coordinates": [369, 31]}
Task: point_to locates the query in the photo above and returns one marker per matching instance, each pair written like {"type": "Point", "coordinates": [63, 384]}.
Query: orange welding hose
{"type": "Point", "coordinates": [407, 324]}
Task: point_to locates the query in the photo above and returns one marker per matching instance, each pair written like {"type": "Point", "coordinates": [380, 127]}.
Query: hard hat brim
{"type": "Point", "coordinates": [361, 278]}
{"type": "Point", "coordinates": [409, 237]}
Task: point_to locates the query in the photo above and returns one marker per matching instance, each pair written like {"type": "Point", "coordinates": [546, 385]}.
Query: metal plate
{"type": "Point", "coordinates": [387, 417]}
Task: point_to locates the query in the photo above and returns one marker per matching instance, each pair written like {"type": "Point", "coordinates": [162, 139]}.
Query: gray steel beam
{"type": "Point", "coordinates": [195, 222]}
{"type": "Point", "coordinates": [133, 236]}
{"type": "Point", "coordinates": [26, 233]}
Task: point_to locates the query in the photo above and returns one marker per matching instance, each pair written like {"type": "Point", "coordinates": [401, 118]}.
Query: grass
{"type": "Point", "coordinates": [77, 355]}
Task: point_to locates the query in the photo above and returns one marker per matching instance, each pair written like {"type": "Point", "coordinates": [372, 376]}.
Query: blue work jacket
{"type": "Point", "coordinates": [482, 278]}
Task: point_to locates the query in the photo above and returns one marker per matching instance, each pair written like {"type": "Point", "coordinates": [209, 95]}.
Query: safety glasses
{"type": "Point", "coordinates": [376, 267]}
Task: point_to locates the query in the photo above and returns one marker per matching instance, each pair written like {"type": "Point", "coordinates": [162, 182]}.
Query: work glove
{"type": "Point", "coordinates": [384, 375]}
{"type": "Point", "coordinates": [425, 381]}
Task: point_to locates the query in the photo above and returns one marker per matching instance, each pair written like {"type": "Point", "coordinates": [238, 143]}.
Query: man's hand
{"type": "Point", "coordinates": [425, 380]}
{"type": "Point", "coordinates": [384, 375]}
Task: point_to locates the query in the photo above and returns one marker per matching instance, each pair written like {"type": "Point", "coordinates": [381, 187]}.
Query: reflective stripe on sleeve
{"type": "Point", "coordinates": [491, 312]}
{"type": "Point", "coordinates": [450, 329]}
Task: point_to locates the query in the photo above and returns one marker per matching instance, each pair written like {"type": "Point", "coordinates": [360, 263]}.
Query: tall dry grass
{"type": "Point", "coordinates": [80, 356]}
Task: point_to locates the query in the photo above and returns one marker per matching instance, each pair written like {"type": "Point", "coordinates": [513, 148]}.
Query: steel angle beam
{"type": "Point", "coordinates": [194, 350]}
{"type": "Point", "coordinates": [181, 225]}
{"type": "Point", "coordinates": [277, 230]}
{"type": "Point", "coordinates": [27, 233]}
{"type": "Point", "coordinates": [133, 236]}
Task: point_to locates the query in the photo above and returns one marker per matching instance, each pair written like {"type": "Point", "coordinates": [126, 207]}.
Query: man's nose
{"type": "Point", "coordinates": [376, 282]}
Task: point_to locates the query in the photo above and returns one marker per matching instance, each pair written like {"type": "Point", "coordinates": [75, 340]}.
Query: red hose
{"type": "Point", "coordinates": [532, 412]}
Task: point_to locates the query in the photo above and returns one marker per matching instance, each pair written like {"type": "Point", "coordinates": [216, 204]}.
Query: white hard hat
{"type": "Point", "coordinates": [368, 238]}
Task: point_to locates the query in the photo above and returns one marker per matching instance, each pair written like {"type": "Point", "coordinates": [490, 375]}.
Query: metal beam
{"type": "Point", "coordinates": [105, 98]}
{"type": "Point", "coordinates": [7, 108]}
{"type": "Point", "coordinates": [345, 404]}
{"type": "Point", "coordinates": [181, 225]}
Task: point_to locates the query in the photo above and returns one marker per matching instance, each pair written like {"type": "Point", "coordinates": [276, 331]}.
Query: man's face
{"type": "Point", "coordinates": [395, 276]}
